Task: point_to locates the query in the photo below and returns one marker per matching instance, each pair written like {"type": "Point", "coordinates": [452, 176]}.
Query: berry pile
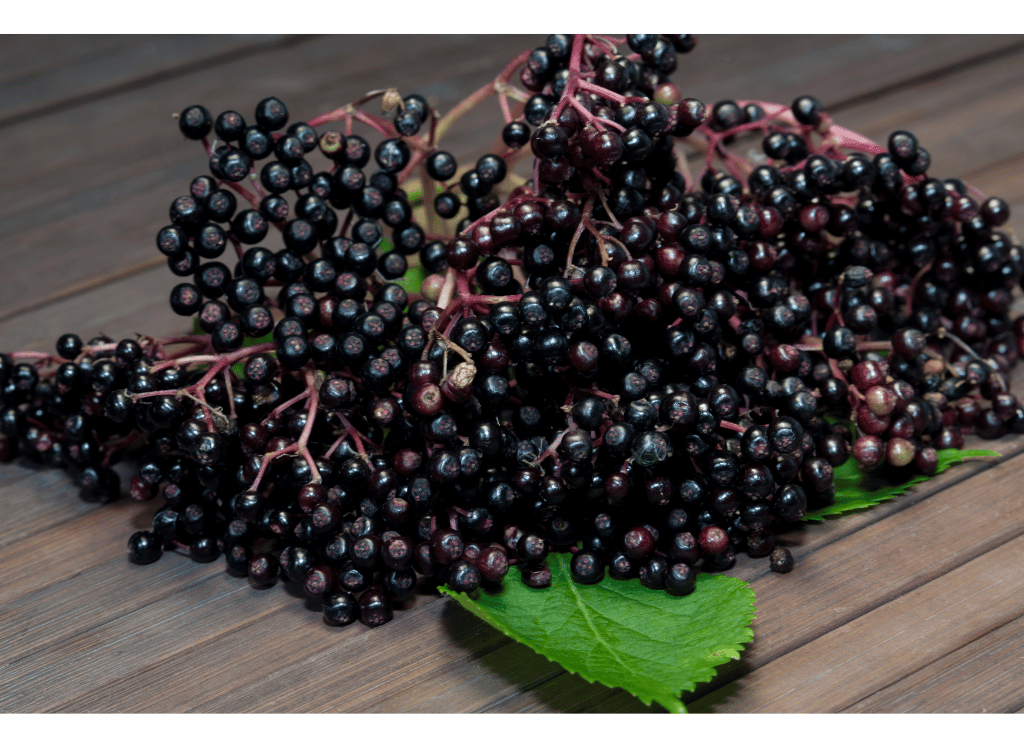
{"type": "Point", "coordinates": [651, 369]}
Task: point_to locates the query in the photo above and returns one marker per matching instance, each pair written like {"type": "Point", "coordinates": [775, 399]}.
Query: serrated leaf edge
{"type": "Point", "coordinates": [675, 705]}
{"type": "Point", "coordinates": [961, 456]}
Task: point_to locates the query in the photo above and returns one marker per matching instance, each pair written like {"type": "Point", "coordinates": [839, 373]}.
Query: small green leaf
{"type": "Point", "coordinates": [856, 489]}
{"type": "Point", "coordinates": [622, 634]}
{"type": "Point", "coordinates": [239, 366]}
{"type": "Point", "coordinates": [412, 280]}
{"type": "Point", "coordinates": [415, 196]}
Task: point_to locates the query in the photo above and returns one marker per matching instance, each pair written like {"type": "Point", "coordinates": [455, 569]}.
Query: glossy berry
{"type": "Point", "coordinates": [781, 560]}
{"type": "Point", "coordinates": [680, 579]}
{"type": "Point", "coordinates": [441, 166]}
{"type": "Point", "coordinates": [492, 564]}
{"type": "Point", "coordinates": [713, 540]}
{"type": "Point", "coordinates": [808, 110]}
{"type": "Point", "coordinates": [340, 609]}
{"type": "Point", "coordinates": [538, 578]}
{"type": "Point", "coordinates": [515, 134]}
{"type": "Point", "coordinates": [375, 606]}
{"type": "Point", "coordinates": [195, 122]}
{"type": "Point", "coordinates": [271, 114]}
{"type": "Point", "coordinates": [463, 576]}
{"type": "Point", "coordinates": [586, 567]}
{"type": "Point", "coordinates": [392, 155]}
{"type": "Point", "coordinates": [144, 547]}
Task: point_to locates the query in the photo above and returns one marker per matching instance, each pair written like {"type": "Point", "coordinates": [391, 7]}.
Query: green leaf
{"type": "Point", "coordinates": [239, 366]}
{"type": "Point", "coordinates": [856, 489]}
{"type": "Point", "coordinates": [415, 196]}
{"type": "Point", "coordinates": [413, 279]}
{"type": "Point", "coordinates": [622, 634]}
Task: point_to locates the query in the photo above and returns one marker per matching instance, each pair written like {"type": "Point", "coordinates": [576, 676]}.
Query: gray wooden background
{"type": "Point", "coordinates": [913, 607]}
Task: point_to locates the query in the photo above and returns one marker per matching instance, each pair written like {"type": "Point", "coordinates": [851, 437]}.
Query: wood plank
{"type": "Point", "coordinates": [843, 665]}
{"type": "Point", "coordinates": [124, 165]}
{"type": "Point", "coordinates": [572, 695]}
{"type": "Point", "coordinates": [106, 589]}
{"type": "Point", "coordinates": [983, 676]}
{"type": "Point", "coordinates": [240, 629]}
{"type": "Point", "coordinates": [130, 305]}
{"type": "Point", "coordinates": [501, 674]}
{"type": "Point", "coordinates": [863, 571]}
{"type": "Point", "coordinates": [1003, 179]}
{"type": "Point", "coordinates": [959, 141]}
{"type": "Point", "coordinates": [485, 675]}
{"type": "Point", "coordinates": [129, 161]}
{"type": "Point", "coordinates": [621, 702]}
{"type": "Point", "coordinates": [834, 67]}
{"type": "Point", "coordinates": [127, 644]}
{"type": "Point", "coordinates": [470, 667]}
{"type": "Point", "coordinates": [43, 74]}
{"type": "Point", "coordinates": [23, 484]}
{"type": "Point", "coordinates": [65, 550]}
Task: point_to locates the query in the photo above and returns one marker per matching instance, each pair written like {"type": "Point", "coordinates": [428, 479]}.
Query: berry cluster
{"type": "Point", "coordinates": [650, 369]}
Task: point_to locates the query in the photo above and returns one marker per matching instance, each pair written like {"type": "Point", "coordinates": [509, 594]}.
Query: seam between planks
{"type": "Point", "coordinates": [710, 687]}
{"type": "Point", "coordinates": [930, 76]}
{"type": "Point", "coordinates": [840, 623]}
{"type": "Point", "coordinates": [85, 286]}
{"type": "Point", "coordinates": [981, 635]}
{"type": "Point", "coordinates": [729, 674]}
{"type": "Point", "coordinates": [992, 166]}
{"type": "Point", "coordinates": [157, 76]}
{"type": "Point", "coordinates": [493, 706]}
{"type": "Point", "coordinates": [967, 599]}
{"type": "Point", "coordinates": [221, 633]}
{"type": "Point", "coordinates": [190, 584]}
{"type": "Point", "coordinates": [703, 689]}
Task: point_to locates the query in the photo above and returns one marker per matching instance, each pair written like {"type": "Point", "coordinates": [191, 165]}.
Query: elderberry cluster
{"type": "Point", "coordinates": [649, 370]}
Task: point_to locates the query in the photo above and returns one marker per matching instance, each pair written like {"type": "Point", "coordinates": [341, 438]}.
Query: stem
{"type": "Point", "coordinates": [267, 459]}
{"type": "Point", "coordinates": [311, 411]}
{"type": "Point", "coordinates": [732, 427]}
{"type": "Point", "coordinates": [447, 289]}
{"type": "Point", "coordinates": [944, 333]}
{"type": "Point", "coordinates": [482, 93]}
{"type": "Point", "coordinates": [44, 357]}
{"type": "Point", "coordinates": [551, 451]}
{"type": "Point", "coordinates": [221, 360]}
{"type": "Point", "coordinates": [913, 286]}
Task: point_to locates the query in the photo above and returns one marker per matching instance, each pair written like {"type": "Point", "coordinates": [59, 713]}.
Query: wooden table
{"type": "Point", "coordinates": [917, 606]}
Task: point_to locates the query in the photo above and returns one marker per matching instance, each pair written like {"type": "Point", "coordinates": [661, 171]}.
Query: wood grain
{"type": "Point", "coordinates": [984, 675]}
{"type": "Point", "coordinates": [130, 161]}
{"type": "Point", "coordinates": [127, 173]}
{"type": "Point", "coordinates": [843, 665]}
{"type": "Point", "coordinates": [44, 75]}
{"type": "Point", "coordinates": [913, 606]}
{"type": "Point", "coordinates": [883, 562]}
{"type": "Point", "coordinates": [793, 610]}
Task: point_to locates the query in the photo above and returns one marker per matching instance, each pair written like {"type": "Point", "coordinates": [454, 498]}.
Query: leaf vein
{"type": "Point", "coordinates": [582, 606]}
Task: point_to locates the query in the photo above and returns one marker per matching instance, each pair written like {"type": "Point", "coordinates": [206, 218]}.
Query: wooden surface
{"type": "Point", "coordinates": [916, 606]}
